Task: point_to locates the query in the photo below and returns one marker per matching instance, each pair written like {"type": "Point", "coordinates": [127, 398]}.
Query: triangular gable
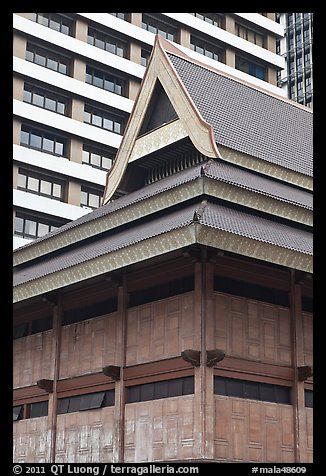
{"type": "Point", "coordinates": [159, 110]}
{"type": "Point", "coordinates": [162, 83]}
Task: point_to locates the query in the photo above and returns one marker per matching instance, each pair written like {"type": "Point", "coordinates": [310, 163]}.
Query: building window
{"type": "Point", "coordinates": [88, 401]}
{"type": "Point", "coordinates": [122, 16]}
{"type": "Point", "coordinates": [34, 410]}
{"type": "Point", "coordinates": [32, 327]}
{"type": "Point", "coordinates": [48, 59]}
{"type": "Point", "coordinates": [265, 392]}
{"type": "Point", "coordinates": [155, 26]}
{"type": "Point", "coordinates": [144, 57]}
{"type": "Point", "coordinates": [104, 120]}
{"type": "Point", "coordinates": [163, 389]}
{"type": "Point", "coordinates": [40, 184]}
{"type": "Point", "coordinates": [308, 398]}
{"type": "Point", "coordinates": [105, 81]}
{"type": "Point", "coordinates": [44, 141]}
{"type": "Point", "coordinates": [90, 197]}
{"type": "Point", "coordinates": [206, 49]}
{"type": "Point", "coordinates": [162, 291]}
{"type": "Point", "coordinates": [107, 43]}
{"type": "Point", "coordinates": [213, 18]}
{"type": "Point", "coordinates": [250, 68]}
{"type": "Point", "coordinates": [90, 311]}
{"type": "Point", "coordinates": [39, 409]}
{"type": "Point", "coordinates": [18, 412]}
{"type": "Point", "coordinates": [97, 159]}
{"type": "Point", "coordinates": [249, 35]}
{"type": "Point", "coordinates": [252, 291]}
{"type": "Point", "coordinates": [54, 21]}
{"type": "Point", "coordinates": [45, 99]}
{"type": "Point", "coordinates": [28, 226]}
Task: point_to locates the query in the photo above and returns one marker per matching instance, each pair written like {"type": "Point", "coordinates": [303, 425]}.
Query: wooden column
{"type": "Point", "coordinates": [57, 311]}
{"type": "Point", "coordinates": [204, 395]}
{"type": "Point", "coordinates": [119, 408]}
{"type": "Point", "coordinates": [208, 344]}
{"type": "Point", "coordinates": [298, 360]}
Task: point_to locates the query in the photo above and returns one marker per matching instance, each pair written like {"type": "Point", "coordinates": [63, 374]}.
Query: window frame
{"type": "Point", "coordinates": [41, 178]}
{"type": "Point", "coordinates": [63, 62]}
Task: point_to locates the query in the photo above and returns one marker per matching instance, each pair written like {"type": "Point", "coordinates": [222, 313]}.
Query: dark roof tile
{"type": "Point", "coordinates": [249, 120]}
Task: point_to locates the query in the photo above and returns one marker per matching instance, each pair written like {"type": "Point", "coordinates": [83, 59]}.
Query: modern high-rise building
{"type": "Point", "coordinates": [296, 47]}
{"type": "Point", "coordinates": [76, 77]}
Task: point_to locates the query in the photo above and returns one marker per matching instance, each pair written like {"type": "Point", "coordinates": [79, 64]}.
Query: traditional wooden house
{"type": "Point", "coordinates": [174, 323]}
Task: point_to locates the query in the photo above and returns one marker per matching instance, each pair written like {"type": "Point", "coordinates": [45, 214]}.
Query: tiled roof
{"type": "Point", "coordinates": [208, 214]}
{"type": "Point", "coordinates": [225, 172]}
{"type": "Point", "coordinates": [216, 170]}
{"type": "Point", "coordinates": [113, 242]}
{"type": "Point", "coordinates": [248, 120]}
{"type": "Point", "coordinates": [257, 228]}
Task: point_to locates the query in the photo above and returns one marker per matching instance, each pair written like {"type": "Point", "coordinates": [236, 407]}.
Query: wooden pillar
{"type": "Point", "coordinates": [298, 360]}
{"type": "Point", "coordinates": [119, 408]}
{"type": "Point", "coordinates": [208, 344]}
{"type": "Point", "coordinates": [57, 311]}
{"type": "Point", "coordinates": [204, 376]}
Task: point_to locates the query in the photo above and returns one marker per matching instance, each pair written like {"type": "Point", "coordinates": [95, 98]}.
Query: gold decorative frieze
{"type": "Point", "coordinates": [125, 215]}
{"type": "Point", "coordinates": [258, 201]}
{"type": "Point", "coordinates": [266, 168]}
{"type": "Point", "coordinates": [146, 249]}
{"type": "Point", "coordinates": [158, 138]}
{"type": "Point", "coordinates": [253, 248]}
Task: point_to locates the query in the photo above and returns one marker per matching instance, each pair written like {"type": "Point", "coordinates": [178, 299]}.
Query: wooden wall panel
{"type": "Point", "coordinates": [253, 330]}
{"type": "Point", "coordinates": [307, 325]}
{"type": "Point", "coordinates": [308, 432]}
{"type": "Point", "coordinates": [33, 359]}
{"type": "Point", "coordinates": [88, 346]}
{"type": "Point", "coordinates": [85, 437]}
{"type": "Point", "coordinates": [160, 430]}
{"type": "Point", "coordinates": [160, 330]}
{"type": "Point", "coordinates": [31, 441]}
{"type": "Point", "coordinates": [248, 430]}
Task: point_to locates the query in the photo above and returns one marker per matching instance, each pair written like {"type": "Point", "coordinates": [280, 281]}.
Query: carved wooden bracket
{"type": "Point", "coordinates": [304, 372]}
{"type": "Point", "coordinates": [45, 384]}
{"type": "Point", "coordinates": [192, 356]}
{"type": "Point", "coordinates": [213, 356]}
{"type": "Point", "coordinates": [112, 371]}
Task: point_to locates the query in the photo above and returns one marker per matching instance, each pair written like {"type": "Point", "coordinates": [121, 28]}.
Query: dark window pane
{"type": "Point", "coordinates": [17, 412]}
{"type": "Point", "coordinates": [188, 384]}
{"type": "Point", "coordinates": [41, 325]}
{"type": "Point", "coordinates": [74, 404]}
{"type": "Point", "coordinates": [283, 394]}
{"type": "Point", "coordinates": [147, 392]}
{"type": "Point", "coordinates": [267, 392]}
{"type": "Point", "coordinates": [234, 388]}
{"type": "Point", "coordinates": [251, 390]}
{"type": "Point", "coordinates": [175, 387]}
{"type": "Point", "coordinates": [133, 394]}
{"type": "Point", "coordinates": [161, 389]}
{"type": "Point", "coordinates": [63, 405]}
{"type": "Point", "coordinates": [308, 398]}
{"type": "Point", "coordinates": [109, 399]}
{"type": "Point", "coordinates": [38, 409]}
{"type": "Point", "coordinates": [20, 331]}
{"type": "Point", "coordinates": [91, 401]}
